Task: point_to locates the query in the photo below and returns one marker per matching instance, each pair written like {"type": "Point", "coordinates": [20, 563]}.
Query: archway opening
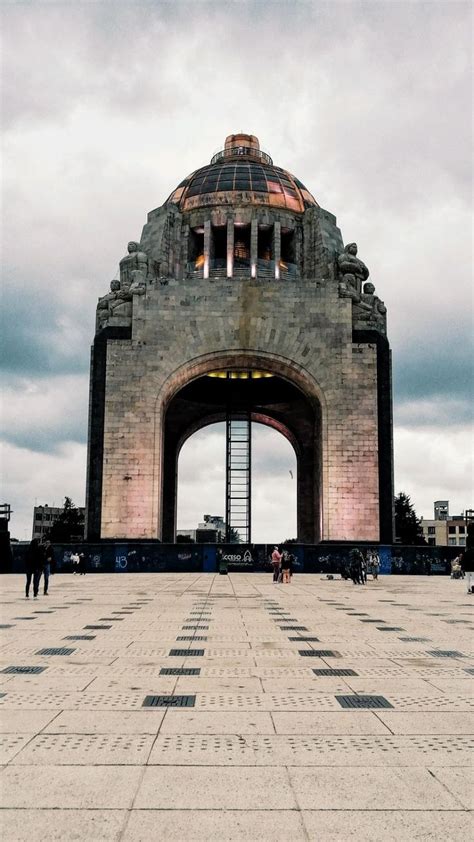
{"type": "Point", "coordinates": [202, 484]}
{"type": "Point", "coordinates": [244, 394]}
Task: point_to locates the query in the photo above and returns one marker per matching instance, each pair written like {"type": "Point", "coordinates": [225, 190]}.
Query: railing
{"type": "Point", "coordinates": [265, 269]}
{"type": "Point", "coordinates": [242, 152]}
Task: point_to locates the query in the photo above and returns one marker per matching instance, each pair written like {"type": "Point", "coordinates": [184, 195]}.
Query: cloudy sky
{"type": "Point", "coordinates": [106, 106]}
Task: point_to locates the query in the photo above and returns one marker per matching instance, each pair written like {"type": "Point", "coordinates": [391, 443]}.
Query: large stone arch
{"type": "Point", "coordinates": [302, 419]}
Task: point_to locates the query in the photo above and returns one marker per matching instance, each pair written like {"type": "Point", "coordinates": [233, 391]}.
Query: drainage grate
{"type": "Point", "coordinates": [445, 653]}
{"type": "Point", "coordinates": [372, 621]}
{"type": "Point", "coordinates": [180, 671]}
{"type": "Point", "coordinates": [183, 653]}
{"type": "Point", "coordinates": [318, 653]}
{"type": "Point", "coordinates": [293, 628]}
{"type": "Point", "coordinates": [305, 639]}
{"type": "Point", "coordinates": [390, 628]}
{"type": "Point", "coordinates": [414, 639]}
{"type": "Point", "coordinates": [19, 670]}
{"type": "Point", "coordinates": [199, 628]}
{"type": "Point", "coordinates": [60, 650]}
{"type": "Point", "coordinates": [25, 618]}
{"type": "Point", "coordinates": [470, 670]}
{"type": "Point", "coordinates": [191, 637]}
{"type": "Point", "coordinates": [6, 626]}
{"type": "Point", "coordinates": [97, 627]}
{"type": "Point", "coordinates": [169, 701]}
{"type": "Point", "coordinates": [363, 702]}
{"type": "Point", "coordinates": [335, 672]}
{"type": "Point", "coordinates": [80, 637]}
{"type": "Point", "coordinates": [111, 619]}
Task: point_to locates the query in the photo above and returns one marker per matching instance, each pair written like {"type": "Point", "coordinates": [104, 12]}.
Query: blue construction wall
{"type": "Point", "coordinates": [153, 557]}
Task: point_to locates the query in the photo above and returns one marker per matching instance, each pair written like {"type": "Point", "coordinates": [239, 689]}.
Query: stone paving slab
{"type": "Point", "coordinates": [267, 752]}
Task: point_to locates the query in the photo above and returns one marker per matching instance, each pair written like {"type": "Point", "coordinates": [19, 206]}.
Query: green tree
{"type": "Point", "coordinates": [234, 536]}
{"type": "Point", "coordinates": [408, 527]}
{"type": "Point", "coordinates": [69, 526]}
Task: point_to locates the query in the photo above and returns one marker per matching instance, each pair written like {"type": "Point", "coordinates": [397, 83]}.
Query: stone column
{"type": "Point", "coordinates": [277, 247]}
{"type": "Point", "coordinates": [230, 246]}
{"type": "Point", "coordinates": [207, 247]}
{"type": "Point", "coordinates": [253, 247]}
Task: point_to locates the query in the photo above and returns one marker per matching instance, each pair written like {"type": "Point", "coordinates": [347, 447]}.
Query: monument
{"type": "Point", "coordinates": [241, 304]}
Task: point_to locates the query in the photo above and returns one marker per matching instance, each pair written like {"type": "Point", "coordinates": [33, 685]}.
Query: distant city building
{"type": "Point", "coordinates": [446, 531]}
{"type": "Point", "coordinates": [210, 531]}
{"type": "Point", "coordinates": [441, 509]}
{"type": "Point", "coordinates": [45, 516]}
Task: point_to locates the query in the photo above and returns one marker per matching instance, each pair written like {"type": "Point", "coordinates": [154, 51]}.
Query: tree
{"type": "Point", "coordinates": [69, 526]}
{"type": "Point", "coordinates": [408, 527]}
{"type": "Point", "coordinates": [234, 536]}
{"type": "Point", "coordinates": [184, 539]}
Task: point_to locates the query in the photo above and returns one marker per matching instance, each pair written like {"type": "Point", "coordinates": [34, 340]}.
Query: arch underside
{"type": "Point", "coordinates": [274, 402]}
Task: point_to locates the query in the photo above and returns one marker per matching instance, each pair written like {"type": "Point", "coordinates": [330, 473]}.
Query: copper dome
{"type": "Point", "coordinates": [242, 174]}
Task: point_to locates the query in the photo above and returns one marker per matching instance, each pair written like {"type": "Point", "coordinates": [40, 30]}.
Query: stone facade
{"type": "Point", "coordinates": [301, 321]}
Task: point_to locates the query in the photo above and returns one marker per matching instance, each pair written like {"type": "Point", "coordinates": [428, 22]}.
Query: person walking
{"type": "Point", "coordinates": [34, 567]}
{"type": "Point", "coordinates": [285, 567]}
{"type": "Point", "coordinates": [48, 565]}
{"type": "Point", "coordinates": [467, 564]}
{"type": "Point", "coordinates": [355, 562]}
{"type": "Point", "coordinates": [375, 564]}
{"type": "Point", "coordinates": [276, 561]}
{"type": "Point", "coordinates": [82, 564]}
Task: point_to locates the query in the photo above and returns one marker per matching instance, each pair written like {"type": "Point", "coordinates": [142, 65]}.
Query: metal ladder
{"type": "Point", "coordinates": [238, 470]}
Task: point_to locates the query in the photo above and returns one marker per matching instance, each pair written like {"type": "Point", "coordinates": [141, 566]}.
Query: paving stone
{"type": "Point", "coordinates": [221, 788]}
{"type": "Point", "coordinates": [206, 825]}
{"type": "Point", "coordinates": [68, 787]}
{"type": "Point", "coordinates": [56, 825]}
{"type": "Point", "coordinates": [396, 825]}
{"type": "Point", "coordinates": [381, 789]}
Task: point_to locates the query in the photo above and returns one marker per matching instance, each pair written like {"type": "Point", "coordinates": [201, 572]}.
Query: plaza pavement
{"type": "Point", "coordinates": [267, 752]}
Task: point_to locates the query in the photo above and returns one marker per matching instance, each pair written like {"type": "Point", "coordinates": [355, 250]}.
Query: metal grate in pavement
{"type": "Point", "coordinates": [469, 670]}
{"type": "Point", "coordinates": [390, 628]}
{"type": "Point", "coordinates": [60, 650]}
{"type": "Point", "coordinates": [180, 671]}
{"type": "Point", "coordinates": [184, 653]}
{"type": "Point", "coordinates": [80, 637]}
{"type": "Point", "coordinates": [6, 625]}
{"type": "Point", "coordinates": [335, 672]}
{"type": "Point", "coordinates": [445, 653]}
{"type": "Point", "coordinates": [363, 702]}
{"type": "Point", "coordinates": [414, 639]}
{"type": "Point", "coordinates": [21, 670]}
{"type": "Point", "coordinates": [97, 627]}
{"type": "Point", "coordinates": [293, 628]}
{"type": "Point", "coordinates": [169, 701]}
{"type": "Point", "coordinates": [191, 637]}
{"type": "Point", "coordinates": [318, 653]}
{"type": "Point", "coordinates": [305, 639]}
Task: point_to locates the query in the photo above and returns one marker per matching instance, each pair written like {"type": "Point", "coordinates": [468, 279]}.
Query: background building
{"type": "Point", "coordinates": [212, 530]}
{"type": "Point", "coordinates": [45, 516]}
{"type": "Point", "coordinates": [443, 530]}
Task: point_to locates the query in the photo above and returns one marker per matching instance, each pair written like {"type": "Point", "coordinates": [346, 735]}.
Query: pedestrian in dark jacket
{"type": "Point", "coordinates": [467, 565]}
{"type": "Point", "coordinates": [34, 567]}
{"type": "Point", "coordinates": [355, 562]}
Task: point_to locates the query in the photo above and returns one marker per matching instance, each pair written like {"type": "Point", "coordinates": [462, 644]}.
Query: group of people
{"type": "Point", "coordinates": [282, 564]}
{"type": "Point", "coordinates": [360, 565]}
{"type": "Point", "coordinates": [39, 562]}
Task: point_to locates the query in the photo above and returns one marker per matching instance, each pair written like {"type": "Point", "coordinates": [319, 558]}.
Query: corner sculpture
{"type": "Point", "coordinates": [366, 306]}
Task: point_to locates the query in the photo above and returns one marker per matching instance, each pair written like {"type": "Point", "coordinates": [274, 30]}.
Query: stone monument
{"type": "Point", "coordinates": [241, 303]}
